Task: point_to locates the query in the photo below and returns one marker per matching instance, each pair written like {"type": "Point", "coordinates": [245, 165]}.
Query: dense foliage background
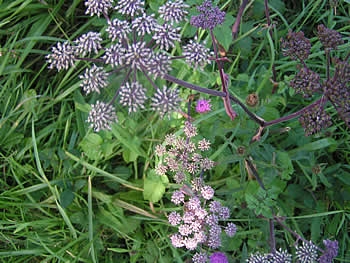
{"type": "Point", "coordinates": [71, 195]}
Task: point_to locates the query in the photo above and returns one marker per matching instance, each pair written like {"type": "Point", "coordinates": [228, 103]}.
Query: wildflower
{"type": "Point", "coordinates": [281, 257]}
{"type": "Point", "coordinates": [133, 96]}
{"type": "Point", "coordinates": [190, 130]}
{"type": "Point", "coordinates": [173, 11]}
{"type": "Point", "coordinates": [174, 218]}
{"type": "Point", "coordinates": [338, 93]}
{"type": "Point", "coordinates": [118, 29]}
{"type": "Point", "coordinates": [161, 169]}
{"type": "Point", "coordinates": [101, 116]}
{"type": "Point", "coordinates": [207, 192]}
{"type": "Point", "coordinates": [258, 258]}
{"type": "Point", "coordinates": [177, 197]}
{"type": "Point", "coordinates": [215, 206]}
{"type": "Point", "coordinates": [177, 240]}
{"type": "Point", "coordinates": [158, 64]}
{"type": "Point", "coordinates": [62, 56]}
{"type": "Point", "coordinates": [196, 54]}
{"type": "Point", "coordinates": [165, 100]}
{"type": "Point", "coordinates": [130, 7]}
{"type": "Point", "coordinates": [98, 7]}
{"type": "Point", "coordinates": [179, 177]}
{"type": "Point", "coordinates": [210, 16]}
{"type": "Point", "coordinates": [224, 213]}
{"type": "Point", "coordinates": [306, 82]}
{"type": "Point", "coordinates": [214, 240]}
{"type": "Point", "coordinates": [89, 42]}
{"type": "Point", "coordinates": [137, 55]}
{"type": "Point", "coordinates": [160, 150]}
{"type": "Point", "coordinates": [144, 24]}
{"type": "Point", "coordinates": [307, 253]}
{"type": "Point", "coordinates": [314, 120]}
{"type": "Point", "coordinates": [200, 257]}
{"type": "Point", "coordinates": [342, 70]}
{"type": "Point", "coordinates": [165, 36]}
{"type": "Point", "coordinates": [230, 229]}
{"type": "Point", "coordinates": [206, 164]}
{"type": "Point", "coordinates": [218, 257]}
{"type": "Point", "coordinates": [193, 203]}
{"type": "Point", "coordinates": [296, 45]}
{"type": "Point", "coordinates": [114, 55]}
{"type": "Point", "coordinates": [330, 252]}
{"type": "Point", "coordinates": [204, 145]}
{"type": "Point", "coordinates": [329, 38]}
{"type": "Point", "coordinates": [203, 106]}
{"type": "Point", "coordinates": [94, 79]}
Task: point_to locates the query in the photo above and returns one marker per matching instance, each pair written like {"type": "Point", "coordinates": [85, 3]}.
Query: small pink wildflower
{"type": "Point", "coordinates": [203, 106]}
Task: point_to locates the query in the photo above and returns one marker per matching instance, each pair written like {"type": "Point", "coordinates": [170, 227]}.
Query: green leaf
{"type": "Point", "coordinates": [285, 162]}
{"type": "Point", "coordinates": [154, 186]}
{"type": "Point", "coordinates": [278, 5]}
{"type": "Point", "coordinates": [223, 35]}
{"type": "Point", "coordinates": [244, 45]}
{"type": "Point", "coordinates": [268, 113]}
{"type": "Point", "coordinates": [316, 223]}
{"type": "Point", "coordinates": [91, 146]}
{"type": "Point", "coordinates": [66, 198]}
{"type": "Point", "coordinates": [324, 180]}
{"type": "Point", "coordinates": [130, 143]}
{"type": "Point", "coordinates": [129, 156]}
{"type": "Point", "coordinates": [313, 146]}
{"type": "Point", "coordinates": [29, 100]}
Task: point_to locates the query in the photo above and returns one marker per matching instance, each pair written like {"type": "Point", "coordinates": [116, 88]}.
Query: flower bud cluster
{"type": "Point", "coordinates": [210, 16]}
{"type": "Point", "coordinates": [305, 253]}
{"type": "Point", "coordinates": [335, 89]}
{"type": "Point", "coordinates": [315, 119]}
{"type": "Point", "coordinates": [306, 82]}
{"type": "Point", "coordinates": [138, 44]}
{"type": "Point", "coordinates": [200, 223]}
{"type": "Point", "coordinates": [279, 256]}
{"type": "Point", "coordinates": [296, 46]}
{"type": "Point", "coordinates": [182, 157]}
{"type": "Point", "coordinates": [329, 38]}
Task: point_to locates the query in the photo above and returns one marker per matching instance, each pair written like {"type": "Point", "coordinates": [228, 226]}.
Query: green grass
{"type": "Point", "coordinates": [70, 195]}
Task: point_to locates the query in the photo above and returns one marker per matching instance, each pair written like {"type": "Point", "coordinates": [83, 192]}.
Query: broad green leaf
{"type": "Point", "coordinates": [154, 186]}
{"type": "Point", "coordinates": [66, 198]}
{"type": "Point", "coordinates": [29, 100]}
{"type": "Point", "coordinates": [268, 113]}
{"type": "Point", "coordinates": [91, 146]}
{"type": "Point", "coordinates": [223, 34]}
{"type": "Point", "coordinates": [284, 161]}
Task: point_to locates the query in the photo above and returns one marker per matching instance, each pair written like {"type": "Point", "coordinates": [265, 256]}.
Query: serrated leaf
{"type": "Point", "coordinates": [154, 187]}
{"type": "Point", "coordinates": [223, 35]}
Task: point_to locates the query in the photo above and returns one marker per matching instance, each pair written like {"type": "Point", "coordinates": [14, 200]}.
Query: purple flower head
{"type": "Point", "coordinates": [210, 16]}
{"type": "Point", "coordinates": [231, 229]}
{"type": "Point", "coordinates": [200, 257]}
{"type": "Point", "coordinates": [330, 251]}
{"type": "Point", "coordinates": [218, 257]}
{"type": "Point", "coordinates": [178, 197]}
{"type": "Point", "coordinates": [307, 252]}
{"type": "Point", "coordinates": [203, 106]}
